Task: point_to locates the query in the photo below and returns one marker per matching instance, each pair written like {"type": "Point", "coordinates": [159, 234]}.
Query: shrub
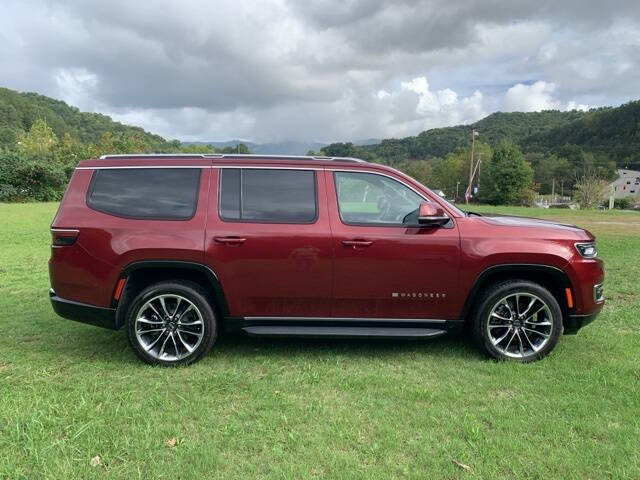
{"type": "Point", "coordinates": [590, 191]}
{"type": "Point", "coordinates": [8, 193]}
{"type": "Point", "coordinates": [623, 203]}
{"type": "Point", "coordinates": [24, 179]}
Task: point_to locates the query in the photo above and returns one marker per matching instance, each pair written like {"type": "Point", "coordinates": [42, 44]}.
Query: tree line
{"type": "Point", "coordinates": [505, 175]}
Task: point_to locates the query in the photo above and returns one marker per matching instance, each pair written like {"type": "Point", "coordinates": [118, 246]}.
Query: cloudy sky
{"type": "Point", "coordinates": [270, 70]}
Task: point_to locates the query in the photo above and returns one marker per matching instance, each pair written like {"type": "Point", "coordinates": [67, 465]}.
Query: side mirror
{"type": "Point", "coordinates": [431, 214]}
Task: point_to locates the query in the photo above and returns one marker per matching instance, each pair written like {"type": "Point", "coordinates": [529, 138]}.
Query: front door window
{"type": "Point", "coordinates": [371, 199]}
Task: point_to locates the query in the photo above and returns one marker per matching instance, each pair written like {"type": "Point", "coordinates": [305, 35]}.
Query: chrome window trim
{"type": "Point", "coordinates": [275, 167]}
{"type": "Point", "coordinates": [265, 167]}
{"type": "Point", "coordinates": [209, 167]}
{"type": "Point", "coordinates": [140, 167]}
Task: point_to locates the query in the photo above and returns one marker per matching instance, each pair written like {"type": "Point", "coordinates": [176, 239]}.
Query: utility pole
{"type": "Point", "coordinates": [473, 139]}
{"type": "Point", "coordinates": [553, 190]}
{"type": "Point", "coordinates": [457, 185]}
{"type": "Point", "coordinates": [479, 165]}
{"type": "Point", "coordinates": [612, 195]}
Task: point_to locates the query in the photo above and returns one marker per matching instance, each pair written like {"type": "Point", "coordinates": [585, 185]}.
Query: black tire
{"type": "Point", "coordinates": [524, 350]}
{"type": "Point", "coordinates": [194, 294]}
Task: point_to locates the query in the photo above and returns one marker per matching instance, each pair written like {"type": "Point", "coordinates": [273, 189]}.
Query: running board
{"type": "Point", "coordinates": [341, 332]}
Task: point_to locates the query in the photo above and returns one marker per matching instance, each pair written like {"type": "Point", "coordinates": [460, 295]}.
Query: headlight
{"type": "Point", "coordinates": [587, 250]}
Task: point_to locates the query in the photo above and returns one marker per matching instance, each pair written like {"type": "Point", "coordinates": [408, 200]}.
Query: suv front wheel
{"type": "Point", "coordinates": [171, 323]}
{"type": "Point", "coordinates": [517, 320]}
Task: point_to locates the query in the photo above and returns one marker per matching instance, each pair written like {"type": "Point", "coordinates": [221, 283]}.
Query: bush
{"type": "Point", "coordinates": [30, 179]}
{"type": "Point", "coordinates": [8, 193]}
{"type": "Point", "coordinates": [623, 203]}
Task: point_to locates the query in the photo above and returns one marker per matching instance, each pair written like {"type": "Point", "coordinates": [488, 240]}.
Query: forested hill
{"type": "Point", "coordinates": [515, 126]}
{"type": "Point", "coordinates": [614, 132]}
{"type": "Point", "coordinates": [18, 112]}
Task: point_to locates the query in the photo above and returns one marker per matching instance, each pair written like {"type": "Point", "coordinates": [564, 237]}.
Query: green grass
{"type": "Point", "coordinates": [307, 409]}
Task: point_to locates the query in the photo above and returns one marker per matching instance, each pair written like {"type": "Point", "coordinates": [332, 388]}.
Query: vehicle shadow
{"type": "Point", "coordinates": [90, 344]}
{"type": "Point", "coordinates": [454, 345]}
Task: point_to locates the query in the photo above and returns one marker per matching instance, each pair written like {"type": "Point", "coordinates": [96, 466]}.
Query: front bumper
{"type": "Point", "coordinates": [83, 312]}
{"type": "Point", "coordinates": [573, 323]}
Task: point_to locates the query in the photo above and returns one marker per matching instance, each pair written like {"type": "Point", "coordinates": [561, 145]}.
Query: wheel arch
{"type": "Point", "coordinates": [552, 278]}
{"type": "Point", "coordinates": [141, 274]}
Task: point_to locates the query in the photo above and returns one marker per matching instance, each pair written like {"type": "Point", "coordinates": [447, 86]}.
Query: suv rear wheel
{"type": "Point", "coordinates": [171, 323]}
{"type": "Point", "coordinates": [517, 320]}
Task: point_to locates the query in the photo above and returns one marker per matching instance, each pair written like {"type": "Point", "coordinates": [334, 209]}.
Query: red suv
{"type": "Point", "coordinates": [177, 247]}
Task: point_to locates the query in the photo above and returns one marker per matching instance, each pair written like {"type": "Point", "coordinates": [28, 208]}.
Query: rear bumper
{"type": "Point", "coordinates": [84, 313]}
{"type": "Point", "coordinates": [574, 323]}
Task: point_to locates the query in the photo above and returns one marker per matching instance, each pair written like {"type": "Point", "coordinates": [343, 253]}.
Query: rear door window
{"type": "Point", "coordinates": [268, 195]}
{"type": "Point", "coordinates": [145, 193]}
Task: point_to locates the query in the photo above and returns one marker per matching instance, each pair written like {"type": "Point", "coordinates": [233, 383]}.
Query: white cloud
{"type": "Point", "coordinates": [577, 106]}
{"type": "Point", "coordinates": [76, 86]}
{"type": "Point", "coordinates": [547, 52]}
{"type": "Point", "coordinates": [430, 109]}
{"type": "Point", "coordinates": [531, 98]}
{"type": "Point", "coordinates": [536, 97]}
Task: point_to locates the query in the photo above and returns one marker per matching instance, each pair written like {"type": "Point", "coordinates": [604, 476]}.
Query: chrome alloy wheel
{"type": "Point", "coordinates": [520, 325]}
{"type": "Point", "coordinates": [169, 327]}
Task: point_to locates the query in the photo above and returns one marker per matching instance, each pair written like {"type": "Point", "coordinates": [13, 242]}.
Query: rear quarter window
{"type": "Point", "coordinates": [145, 193]}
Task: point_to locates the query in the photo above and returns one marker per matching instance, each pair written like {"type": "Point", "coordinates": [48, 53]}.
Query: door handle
{"type": "Point", "coordinates": [230, 240]}
{"type": "Point", "coordinates": [357, 243]}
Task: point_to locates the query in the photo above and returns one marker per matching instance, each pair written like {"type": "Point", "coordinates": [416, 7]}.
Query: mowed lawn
{"type": "Point", "coordinates": [310, 409]}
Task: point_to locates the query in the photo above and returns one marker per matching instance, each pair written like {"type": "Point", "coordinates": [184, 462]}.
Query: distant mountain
{"type": "Point", "coordinates": [276, 148]}
{"type": "Point", "coordinates": [438, 142]}
{"type": "Point", "coordinates": [367, 141]}
{"type": "Point", "coordinates": [291, 147]}
{"type": "Point", "coordinates": [229, 143]}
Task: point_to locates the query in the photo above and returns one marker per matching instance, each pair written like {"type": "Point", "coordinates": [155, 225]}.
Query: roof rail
{"type": "Point", "coordinates": [150, 155]}
{"type": "Point", "coordinates": [233, 155]}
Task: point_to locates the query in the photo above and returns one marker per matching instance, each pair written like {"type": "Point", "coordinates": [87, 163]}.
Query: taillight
{"type": "Point", "coordinates": [63, 237]}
